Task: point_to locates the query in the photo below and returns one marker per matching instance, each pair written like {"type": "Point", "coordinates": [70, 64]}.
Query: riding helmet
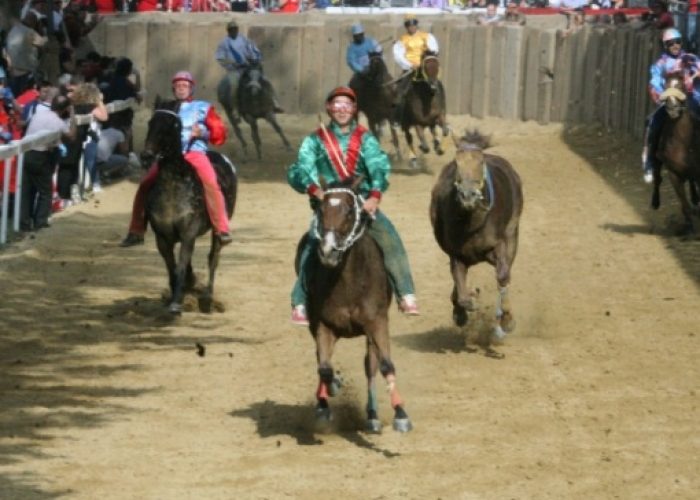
{"type": "Point", "coordinates": [344, 91]}
{"type": "Point", "coordinates": [183, 75]}
{"type": "Point", "coordinates": [670, 34]}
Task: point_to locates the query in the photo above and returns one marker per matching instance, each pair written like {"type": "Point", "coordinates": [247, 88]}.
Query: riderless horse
{"type": "Point", "coordinates": [348, 296]}
{"type": "Point", "coordinates": [376, 96]}
{"type": "Point", "coordinates": [475, 212]}
{"type": "Point", "coordinates": [423, 105]}
{"type": "Point", "coordinates": [679, 150]}
{"type": "Point", "coordinates": [175, 206]}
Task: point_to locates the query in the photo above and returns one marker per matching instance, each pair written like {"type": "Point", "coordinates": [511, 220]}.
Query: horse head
{"type": "Point", "coordinates": [164, 131]}
{"type": "Point", "coordinates": [430, 66]}
{"type": "Point", "coordinates": [471, 173]}
{"type": "Point", "coordinates": [339, 220]}
{"type": "Point", "coordinates": [674, 95]}
{"type": "Point", "coordinates": [252, 77]}
{"type": "Point", "coordinates": [377, 67]}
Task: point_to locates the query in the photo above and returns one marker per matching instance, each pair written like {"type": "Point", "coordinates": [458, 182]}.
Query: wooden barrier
{"type": "Point", "coordinates": [596, 75]}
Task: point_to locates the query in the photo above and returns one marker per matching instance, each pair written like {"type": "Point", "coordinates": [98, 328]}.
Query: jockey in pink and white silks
{"type": "Point", "coordinates": [235, 54]}
{"type": "Point", "coordinates": [201, 125]}
{"type": "Point", "coordinates": [673, 60]}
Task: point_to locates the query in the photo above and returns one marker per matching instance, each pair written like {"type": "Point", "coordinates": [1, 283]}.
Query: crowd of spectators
{"type": "Point", "coordinates": [44, 84]}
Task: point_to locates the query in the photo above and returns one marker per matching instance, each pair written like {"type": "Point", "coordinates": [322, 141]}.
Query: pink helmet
{"type": "Point", "coordinates": [183, 75]}
{"type": "Point", "coordinates": [671, 34]}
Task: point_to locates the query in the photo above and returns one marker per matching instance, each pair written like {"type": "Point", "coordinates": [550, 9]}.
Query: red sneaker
{"type": "Point", "coordinates": [299, 317]}
{"type": "Point", "coordinates": [409, 306]}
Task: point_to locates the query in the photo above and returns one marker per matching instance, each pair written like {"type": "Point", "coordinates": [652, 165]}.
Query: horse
{"type": "Point", "coordinates": [678, 150]}
{"type": "Point", "coordinates": [256, 100]}
{"type": "Point", "coordinates": [175, 206]}
{"type": "Point", "coordinates": [475, 211]}
{"type": "Point", "coordinates": [376, 96]}
{"type": "Point", "coordinates": [424, 105]}
{"type": "Point", "coordinates": [229, 101]}
{"type": "Point", "coordinates": [349, 296]}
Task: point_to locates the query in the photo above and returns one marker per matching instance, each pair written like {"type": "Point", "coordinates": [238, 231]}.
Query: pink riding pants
{"type": "Point", "coordinates": [213, 197]}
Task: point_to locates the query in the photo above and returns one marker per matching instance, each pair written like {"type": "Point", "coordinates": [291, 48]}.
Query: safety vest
{"type": "Point", "coordinates": [415, 45]}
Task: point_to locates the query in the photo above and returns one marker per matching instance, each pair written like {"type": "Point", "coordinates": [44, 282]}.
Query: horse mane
{"type": "Point", "coordinates": [166, 104]}
{"type": "Point", "coordinates": [473, 139]}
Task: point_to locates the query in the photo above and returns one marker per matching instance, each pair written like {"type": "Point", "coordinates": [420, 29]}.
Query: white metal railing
{"type": "Point", "coordinates": [16, 149]}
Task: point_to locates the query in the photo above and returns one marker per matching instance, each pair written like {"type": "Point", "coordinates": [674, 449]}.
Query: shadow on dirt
{"type": "Point", "coordinates": [617, 160]}
{"type": "Point", "coordinates": [298, 422]}
{"type": "Point", "coordinates": [49, 380]}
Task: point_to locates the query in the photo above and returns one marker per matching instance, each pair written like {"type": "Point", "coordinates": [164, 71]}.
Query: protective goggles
{"type": "Point", "coordinates": [672, 42]}
{"type": "Point", "coordinates": [341, 106]}
{"type": "Point", "coordinates": [411, 22]}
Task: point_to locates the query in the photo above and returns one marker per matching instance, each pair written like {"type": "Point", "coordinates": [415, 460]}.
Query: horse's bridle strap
{"type": "Point", "coordinates": [358, 227]}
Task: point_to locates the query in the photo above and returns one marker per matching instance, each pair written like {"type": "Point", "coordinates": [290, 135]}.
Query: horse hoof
{"type": "Point", "coordinates": [175, 309]}
{"type": "Point", "coordinates": [508, 323]}
{"type": "Point", "coordinates": [334, 388]}
{"type": "Point", "coordinates": [374, 426]}
{"type": "Point", "coordinates": [324, 418]}
{"type": "Point", "coordinates": [439, 151]}
{"type": "Point", "coordinates": [413, 163]}
{"type": "Point", "coordinates": [498, 334]}
{"type": "Point", "coordinates": [459, 316]}
{"type": "Point", "coordinates": [205, 304]}
{"type": "Point", "coordinates": [402, 425]}
{"type": "Point", "coordinates": [424, 149]}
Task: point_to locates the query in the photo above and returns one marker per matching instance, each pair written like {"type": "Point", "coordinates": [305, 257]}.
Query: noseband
{"type": "Point", "coordinates": [485, 181]}
{"type": "Point", "coordinates": [358, 228]}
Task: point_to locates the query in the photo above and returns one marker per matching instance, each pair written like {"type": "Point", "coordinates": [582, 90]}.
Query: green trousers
{"type": "Point", "coordinates": [395, 260]}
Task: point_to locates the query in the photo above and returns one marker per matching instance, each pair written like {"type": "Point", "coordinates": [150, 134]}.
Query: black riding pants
{"type": "Point", "coordinates": [36, 189]}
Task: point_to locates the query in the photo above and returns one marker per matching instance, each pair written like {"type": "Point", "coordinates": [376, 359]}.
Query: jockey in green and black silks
{"type": "Point", "coordinates": [673, 60]}
{"type": "Point", "coordinates": [341, 150]}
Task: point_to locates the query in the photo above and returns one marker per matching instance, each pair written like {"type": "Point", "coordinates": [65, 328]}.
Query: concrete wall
{"type": "Point", "coordinates": [594, 76]}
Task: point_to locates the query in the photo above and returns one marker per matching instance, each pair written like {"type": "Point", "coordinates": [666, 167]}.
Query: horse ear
{"type": "Point", "coordinates": [158, 102]}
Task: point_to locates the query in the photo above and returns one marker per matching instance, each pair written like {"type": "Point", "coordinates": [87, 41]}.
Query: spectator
{"type": "Point", "coordinates": [55, 115]}
{"type": "Point", "coordinates": [120, 88]}
{"type": "Point", "coordinates": [660, 18]}
{"type": "Point", "coordinates": [357, 54]}
{"type": "Point", "coordinates": [149, 5]}
{"type": "Point", "coordinates": [104, 6]}
{"type": "Point", "coordinates": [288, 6]}
{"type": "Point", "coordinates": [513, 16]}
{"type": "Point", "coordinates": [491, 17]}
{"type": "Point", "coordinates": [22, 45]}
{"type": "Point", "coordinates": [113, 155]}
{"type": "Point", "coordinates": [77, 25]}
{"type": "Point", "coordinates": [87, 99]}
{"type": "Point", "coordinates": [436, 4]}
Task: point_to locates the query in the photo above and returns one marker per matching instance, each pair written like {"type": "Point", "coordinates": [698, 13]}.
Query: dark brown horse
{"type": "Point", "coordinates": [175, 205]}
{"type": "Point", "coordinates": [376, 96]}
{"type": "Point", "coordinates": [679, 150]}
{"type": "Point", "coordinates": [475, 211]}
{"type": "Point", "coordinates": [424, 106]}
{"type": "Point", "coordinates": [348, 296]}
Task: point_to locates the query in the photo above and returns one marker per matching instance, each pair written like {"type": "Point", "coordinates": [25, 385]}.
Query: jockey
{"type": "Point", "coordinates": [320, 156]}
{"type": "Point", "coordinates": [674, 59]}
{"type": "Point", "coordinates": [200, 126]}
{"type": "Point", "coordinates": [408, 54]}
{"type": "Point", "coordinates": [357, 55]}
{"type": "Point", "coordinates": [235, 54]}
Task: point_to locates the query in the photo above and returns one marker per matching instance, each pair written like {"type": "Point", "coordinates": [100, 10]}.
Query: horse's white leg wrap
{"type": "Point", "coordinates": [502, 302]}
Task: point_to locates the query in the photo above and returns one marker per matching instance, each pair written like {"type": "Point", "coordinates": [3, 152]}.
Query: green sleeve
{"type": "Point", "coordinates": [304, 172]}
{"type": "Point", "coordinates": [376, 162]}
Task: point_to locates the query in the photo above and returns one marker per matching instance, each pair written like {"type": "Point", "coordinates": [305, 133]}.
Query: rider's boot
{"type": "Point", "coordinates": [132, 239]}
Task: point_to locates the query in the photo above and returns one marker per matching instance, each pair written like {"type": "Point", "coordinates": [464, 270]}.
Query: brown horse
{"type": "Point", "coordinates": [678, 150]}
{"type": "Point", "coordinates": [348, 296]}
{"type": "Point", "coordinates": [475, 211]}
{"type": "Point", "coordinates": [424, 106]}
{"type": "Point", "coordinates": [376, 96]}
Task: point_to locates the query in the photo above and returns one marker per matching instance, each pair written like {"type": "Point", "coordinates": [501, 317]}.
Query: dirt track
{"type": "Point", "coordinates": [597, 396]}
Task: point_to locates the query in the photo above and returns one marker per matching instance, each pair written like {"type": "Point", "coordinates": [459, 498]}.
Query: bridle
{"type": "Point", "coordinates": [358, 227]}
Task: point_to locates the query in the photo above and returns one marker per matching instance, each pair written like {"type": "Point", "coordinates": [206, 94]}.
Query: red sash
{"type": "Point", "coordinates": [335, 153]}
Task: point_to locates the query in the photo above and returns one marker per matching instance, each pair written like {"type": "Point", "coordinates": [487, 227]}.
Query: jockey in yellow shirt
{"type": "Point", "coordinates": [408, 53]}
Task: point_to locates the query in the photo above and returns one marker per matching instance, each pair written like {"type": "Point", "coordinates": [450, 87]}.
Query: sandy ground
{"type": "Point", "coordinates": [102, 396]}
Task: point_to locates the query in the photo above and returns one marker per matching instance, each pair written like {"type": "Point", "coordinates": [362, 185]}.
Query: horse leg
{"type": "Point", "coordinates": [679, 186]}
{"type": "Point", "coordinates": [380, 339]}
{"type": "Point", "coordinates": [186, 250]}
{"type": "Point", "coordinates": [437, 143]}
{"type": "Point", "coordinates": [413, 157]}
{"type": "Point", "coordinates": [166, 251]}
{"type": "Point", "coordinates": [395, 142]}
{"type": "Point", "coordinates": [207, 298]}
{"type": "Point", "coordinates": [237, 130]}
{"type": "Point", "coordinates": [462, 299]}
{"type": "Point", "coordinates": [255, 133]}
{"type": "Point", "coordinates": [373, 425]}
{"type": "Point", "coordinates": [423, 146]}
{"type": "Point", "coordinates": [504, 254]}
{"type": "Point", "coordinates": [325, 342]}
{"type": "Point", "coordinates": [272, 120]}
